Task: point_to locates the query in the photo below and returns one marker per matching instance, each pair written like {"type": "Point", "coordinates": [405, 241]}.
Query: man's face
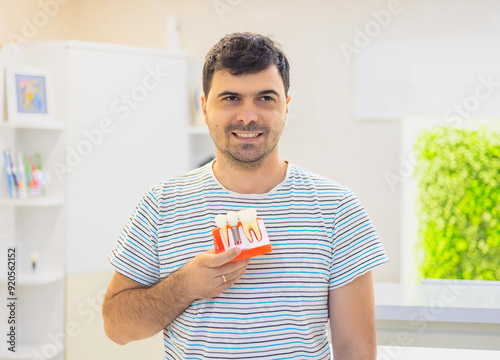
{"type": "Point", "coordinates": [245, 115]}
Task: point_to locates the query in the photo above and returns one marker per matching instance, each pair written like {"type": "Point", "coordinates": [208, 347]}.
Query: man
{"type": "Point", "coordinates": [275, 306]}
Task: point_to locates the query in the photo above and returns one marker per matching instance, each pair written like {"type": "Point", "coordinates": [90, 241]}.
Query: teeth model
{"type": "Point", "coordinates": [241, 230]}
{"type": "Point", "coordinates": [248, 220]}
{"type": "Point", "coordinates": [232, 219]}
{"type": "Point", "coordinates": [221, 222]}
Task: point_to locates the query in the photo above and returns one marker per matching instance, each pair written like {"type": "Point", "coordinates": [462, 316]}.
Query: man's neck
{"type": "Point", "coordinates": [250, 181]}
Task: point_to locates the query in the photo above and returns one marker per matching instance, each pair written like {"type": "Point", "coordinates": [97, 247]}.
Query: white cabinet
{"type": "Point", "coordinates": [33, 225]}
{"type": "Point", "coordinates": [35, 315]}
{"type": "Point", "coordinates": [128, 111]}
{"type": "Point", "coordinates": [123, 116]}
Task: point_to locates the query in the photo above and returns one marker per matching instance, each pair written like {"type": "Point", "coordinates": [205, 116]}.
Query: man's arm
{"type": "Point", "coordinates": [133, 312]}
{"type": "Point", "coordinates": [352, 319]}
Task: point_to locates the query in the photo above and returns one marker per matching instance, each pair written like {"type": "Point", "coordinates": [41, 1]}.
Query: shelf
{"type": "Point", "coordinates": [418, 353]}
{"type": "Point", "coordinates": [30, 352]}
{"type": "Point", "coordinates": [41, 277]}
{"type": "Point", "coordinates": [37, 202]}
{"type": "Point", "coordinates": [32, 125]}
{"type": "Point", "coordinates": [198, 130]}
{"type": "Point", "coordinates": [459, 301]}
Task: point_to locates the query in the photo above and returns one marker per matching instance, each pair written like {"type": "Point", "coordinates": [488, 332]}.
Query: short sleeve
{"type": "Point", "coordinates": [356, 247]}
{"type": "Point", "coordinates": [136, 252]}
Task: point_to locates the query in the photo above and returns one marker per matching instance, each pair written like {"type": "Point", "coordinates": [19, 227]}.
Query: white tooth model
{"type": "Point", "coordinates": [248, 219]}
{"type": "Point", "coordinates": [249, 233]}
{"type": "Point", "coordinates": [221, 222]}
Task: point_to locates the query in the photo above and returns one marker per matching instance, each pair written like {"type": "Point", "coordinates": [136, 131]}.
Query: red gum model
{"type": "Point", "coordinates": [249, 247]}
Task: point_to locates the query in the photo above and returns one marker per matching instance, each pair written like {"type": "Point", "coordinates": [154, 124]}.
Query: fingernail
{"type": "Point", "coordinates": [237, 250]}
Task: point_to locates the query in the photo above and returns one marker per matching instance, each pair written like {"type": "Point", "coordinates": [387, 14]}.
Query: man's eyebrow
{"type": "Point", "coordinates": [227, 93]}
{"type": "Point", "coordinates": [270, 91]}
{"type": "Point", "coordinates": [260, 93]}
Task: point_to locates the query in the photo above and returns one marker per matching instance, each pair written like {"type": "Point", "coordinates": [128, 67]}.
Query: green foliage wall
{"type": "Point", "coordinates": [458, 206]}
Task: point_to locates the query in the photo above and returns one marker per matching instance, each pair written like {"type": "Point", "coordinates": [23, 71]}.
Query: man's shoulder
{"type": "Point", "coordinates": [306, 178]}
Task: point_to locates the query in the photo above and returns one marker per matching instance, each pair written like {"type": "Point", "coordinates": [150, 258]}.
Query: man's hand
{"type": "Point", "coordinates": [208, 274]}
{"type": "Point", "coordinates": [133, 312]}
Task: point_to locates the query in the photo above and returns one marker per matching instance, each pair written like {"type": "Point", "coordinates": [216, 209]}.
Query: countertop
{"type": "Point", "coordinates": [442, 300]}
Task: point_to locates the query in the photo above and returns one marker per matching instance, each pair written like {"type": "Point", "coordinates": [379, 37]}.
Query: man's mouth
{"type": "Point", "coordinates": [247, 135]}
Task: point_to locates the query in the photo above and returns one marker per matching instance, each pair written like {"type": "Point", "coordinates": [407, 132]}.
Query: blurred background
{"type": "Point", "coordinates": [397, 100]}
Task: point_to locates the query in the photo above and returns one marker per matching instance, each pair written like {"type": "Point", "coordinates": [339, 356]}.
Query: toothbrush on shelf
{"type": "Point", "coordinates": [15, 183]}
{"type": "Point", "coordinates": [23, 193]}
{"type": "Point", "coordinates": [8, 172]}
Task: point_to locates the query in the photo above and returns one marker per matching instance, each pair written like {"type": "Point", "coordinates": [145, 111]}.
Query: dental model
{"type": "Point", "coordinates": [232, 219]}
{"type": "Point", "coordinates": [249, 234]}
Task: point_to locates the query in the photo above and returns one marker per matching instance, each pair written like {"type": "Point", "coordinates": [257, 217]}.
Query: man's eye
{"type": "Point", "coordinates": [267, 98]}
{"type": "Point", "coordinates": [231, 98]}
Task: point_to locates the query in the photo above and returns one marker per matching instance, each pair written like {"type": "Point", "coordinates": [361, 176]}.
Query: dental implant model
{"type": "Point", "coordinates": [244, 230]}
{"type": "Point", "coordinates": [232, 219]}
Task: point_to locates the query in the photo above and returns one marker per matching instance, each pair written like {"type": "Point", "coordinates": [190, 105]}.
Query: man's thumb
{"type": "Point", "coordinates": [227, 256]}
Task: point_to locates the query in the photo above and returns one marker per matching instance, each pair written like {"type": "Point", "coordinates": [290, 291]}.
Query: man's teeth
{"type": "Point", "coordinates": [247, 135]}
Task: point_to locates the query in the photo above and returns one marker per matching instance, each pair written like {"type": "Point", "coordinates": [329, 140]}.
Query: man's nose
{"type": "Point", "coordinates": [247, 114]}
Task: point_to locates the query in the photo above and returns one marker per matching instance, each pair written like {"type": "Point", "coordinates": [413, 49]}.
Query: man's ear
{"type": "Point", "coordinates": [287, 101]}
{"type": "Point", "coordinates": [204, 108]}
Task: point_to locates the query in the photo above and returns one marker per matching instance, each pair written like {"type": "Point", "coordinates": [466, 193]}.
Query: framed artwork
{"type": "Point", "coordinates": [29, 94]}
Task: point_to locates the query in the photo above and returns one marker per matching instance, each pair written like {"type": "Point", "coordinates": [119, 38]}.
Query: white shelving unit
{"type": "Point", "coordinates": [137, 99]}
{"type": "Point", "coordinates": [33, 225]}
{"type": "Point", "coordinates": [34, 125]}
{"type": "Point", "coordinates": [33, 202]}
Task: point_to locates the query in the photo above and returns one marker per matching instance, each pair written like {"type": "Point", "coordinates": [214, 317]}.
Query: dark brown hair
{"type": "Point", "coordinates": [245, 53]}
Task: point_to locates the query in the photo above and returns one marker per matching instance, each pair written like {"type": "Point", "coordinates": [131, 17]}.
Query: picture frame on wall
{"type": "Point", "coordinates": [30, 94]}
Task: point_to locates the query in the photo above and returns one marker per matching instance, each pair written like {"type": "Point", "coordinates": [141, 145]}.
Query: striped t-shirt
{"type": "Point", "coordinates": [321, 238]}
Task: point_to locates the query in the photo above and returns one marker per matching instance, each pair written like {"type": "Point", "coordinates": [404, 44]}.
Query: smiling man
{"type": "Point", "coordinates": [275, 306]}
